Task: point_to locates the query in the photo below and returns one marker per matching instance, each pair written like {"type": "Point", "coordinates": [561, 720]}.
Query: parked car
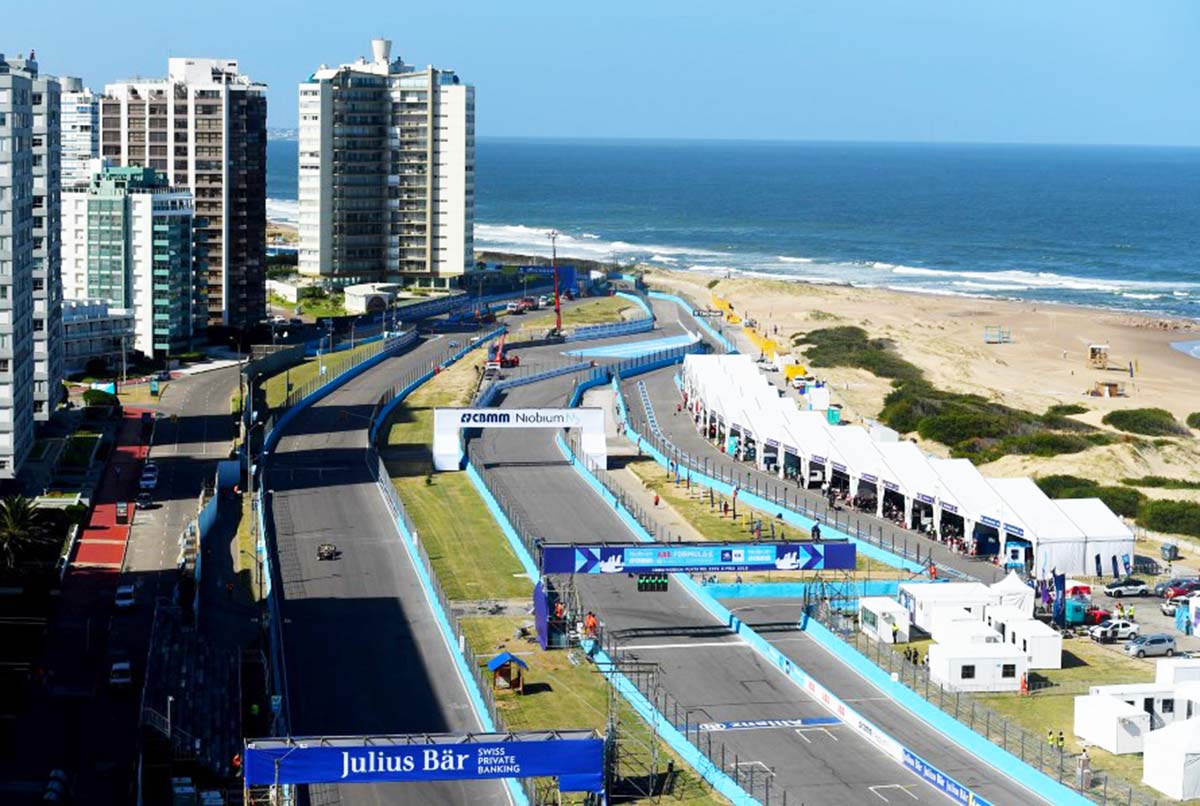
{"type": "Point", "coordinates": [1127, 587]}
{"type": "Point", "coordinates": [144, 500]}
{"type": "Point", "coordinates": [1169, 606]}
{"type": "Point", "coordinates": [1151, 645]}
{"type": "Point", "coordinates": [120, 674]}
{"type": "Point", "coordinates": [1096, 615]}
{"type": "Point", "coordinates": [1181, 589]}
{"type": "Point", "coordinates": [126, 597]}
{"type": "Point", "coordinates": [1114, 630]}
{"type": "Point", "coordinates": [1160, 588]}
{"type": "Point", "coordinates": [149, 479]}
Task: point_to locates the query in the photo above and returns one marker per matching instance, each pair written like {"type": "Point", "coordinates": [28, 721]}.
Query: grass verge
{"type": "Point", "coordinates": [275, 386]}
{"type": "Point", "coordinates": [598, 311]}
{"type": "Point", "coordinates": [564, 690]}
{"type": "Point", "coordinates": [1085, 663]}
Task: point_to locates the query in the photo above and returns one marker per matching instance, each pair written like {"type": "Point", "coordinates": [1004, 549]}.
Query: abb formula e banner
{"type": "Point", "coordinates": [577, 762]}
{"type": "Point", "coordinates": [447, 423]}
{"type": "Point", "coordinates": [664, 558]}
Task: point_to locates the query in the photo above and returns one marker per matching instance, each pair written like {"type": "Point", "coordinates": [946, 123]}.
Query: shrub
{"type": "Point", "coordinates": [1151, 422]}
{"type": "Point", "coordinates": [1063, 409]}
{"type": "Point", "coordinates": [1177, 517]}
{"type": "Point", "coordinates": [1056, 484]}
{"type": "Point", "coordinates": [98, 397]}
{"type": "Point", "coordinates": [1193, 419]}
{"type": "Point", "coordinates": [1163, 482]}
{"type": "Point", "coordinates": [712, 283]}
{"type": "Point", "coordinates": [954, 427]}
{"type": "Point", "coordinates": [1044, 443]}
{"type": "Point", "coordinates": [1121, 500]}
{"type": "Point", "coordinates": [848, 346]}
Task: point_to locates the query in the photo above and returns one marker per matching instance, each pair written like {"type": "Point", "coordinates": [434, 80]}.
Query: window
{"type": "Point", "coordinates": [1008, 671]}
{"type": "Point", "coordinates": [1168, 706]}
{"type": "Point", "coordinates": [968, 672]}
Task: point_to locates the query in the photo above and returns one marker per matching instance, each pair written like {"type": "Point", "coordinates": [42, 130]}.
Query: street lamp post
{"type": "Point", "coordinates": [554, 270]}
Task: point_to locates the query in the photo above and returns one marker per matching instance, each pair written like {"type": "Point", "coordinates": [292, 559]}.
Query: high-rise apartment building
{"type": "Point", "coordinates": [47, 284]}
{"type": "Point", "coordinates": [387, 161]}
{"type": "Point", "coordinates": [80, 132]}
{"type": "Point", "coordinates": [128, 240]}
{"type": "Point", "coordinates": [16, 266]}
{"type": "Point", "coordinates": [205, 127]}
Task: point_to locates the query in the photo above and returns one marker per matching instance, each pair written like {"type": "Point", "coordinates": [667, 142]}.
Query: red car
{"type": "Point", "coordinates": [1096, 615]}
{"type": "Point", "coordinates": [1180, 589]}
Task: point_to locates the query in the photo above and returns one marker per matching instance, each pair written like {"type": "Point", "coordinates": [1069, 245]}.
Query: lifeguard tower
{"type": "Point", "coordinates": [1098, 356]}
{"type": "Point", "coordinates": [996, 334]}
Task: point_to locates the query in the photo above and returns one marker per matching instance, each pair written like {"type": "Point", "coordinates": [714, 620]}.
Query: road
{"type": "Point", "coordinates": [712, 674]}
{"type": "Point", "coordinates": [362, 651]}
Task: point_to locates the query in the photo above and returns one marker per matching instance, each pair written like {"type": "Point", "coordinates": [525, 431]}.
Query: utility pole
{"type": "Point", "coordinates": [554, 271]}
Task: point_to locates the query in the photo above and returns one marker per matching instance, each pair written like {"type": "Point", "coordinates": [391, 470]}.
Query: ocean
{"type": "Point", "coordinates": [1115, 227]}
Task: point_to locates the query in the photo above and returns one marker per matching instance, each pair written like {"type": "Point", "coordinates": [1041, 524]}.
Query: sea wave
{"type": "Point", "coordinates": [526, 240]}
{"type": "Point", "coordinates": [284, 211]}
{"type": "Point", "coordinates": [786, 259]}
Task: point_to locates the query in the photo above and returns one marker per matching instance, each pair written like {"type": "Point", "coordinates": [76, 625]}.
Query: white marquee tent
{"type": "Point", "coordinates": [1058, 544]}
{"type": "Point", "coordinates": [1015, 593]}
{"type": "Point", "coordinates": [1106, 534]}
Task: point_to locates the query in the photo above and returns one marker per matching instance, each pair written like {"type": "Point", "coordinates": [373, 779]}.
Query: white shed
{"type": "Point", "coordinates": [1041, 643]}
{"type": "Point", "coordinates": [1000, 616]}
{"type": "Point", "coordinates": [965, 631]}
{"type": "Point", "coordinates": [977, 667]}
{"type": "Point", "coordinates": [925, 599]}
{"type": "Point", "coordinates": [1174, 671]}
{"type": "Point", "coordinates": [1172, 760]}
{"type": "Point", "coordinates": [877, 614]}
{"type": "Point", "coordinates": [1110, 723]}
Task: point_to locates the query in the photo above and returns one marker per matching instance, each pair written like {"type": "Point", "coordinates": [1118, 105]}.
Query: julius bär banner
{"type": "Point", "coordinates": [579, 762]}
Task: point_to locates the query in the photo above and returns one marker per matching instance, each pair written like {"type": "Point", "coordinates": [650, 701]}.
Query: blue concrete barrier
{"type": "Point", "coordinates": [705, 326]}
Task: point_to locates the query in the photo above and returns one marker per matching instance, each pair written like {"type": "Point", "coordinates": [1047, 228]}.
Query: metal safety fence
{"type": "Point", "coordinates": [1033, 749]}
{"type": "Point", "coordinates": [788, 496]}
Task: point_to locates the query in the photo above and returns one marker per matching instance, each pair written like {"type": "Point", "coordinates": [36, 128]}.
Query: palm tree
{"type": "Point", "coordinates": [21, 528]}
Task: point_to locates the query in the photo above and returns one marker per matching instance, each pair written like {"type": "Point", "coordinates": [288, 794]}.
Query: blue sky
{"type": "Point", "coordinates": [1063, 71]}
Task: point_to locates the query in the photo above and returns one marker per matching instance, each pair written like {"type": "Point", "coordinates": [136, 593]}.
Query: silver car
{"type": "Point", "coordinates": [1151, 645]}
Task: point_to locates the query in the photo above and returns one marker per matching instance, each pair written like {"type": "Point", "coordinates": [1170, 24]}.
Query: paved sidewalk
{"type": "Point", "coordinates": [103, 541]}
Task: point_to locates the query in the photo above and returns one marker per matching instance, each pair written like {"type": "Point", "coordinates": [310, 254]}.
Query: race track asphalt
{"type": "Point", "coordinates": [713, 675]}
{"type": "Point", "coordinates": [362, 650]}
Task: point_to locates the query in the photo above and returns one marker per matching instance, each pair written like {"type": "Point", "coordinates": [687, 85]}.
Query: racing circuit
{"type": "Point", "coordinates": [363, 655]}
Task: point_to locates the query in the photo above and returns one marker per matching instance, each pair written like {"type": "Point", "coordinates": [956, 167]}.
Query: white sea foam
{"type": "Point", "coordinates": [1130, 295]}
{"type": "Point", "coordinates": [525, 240]}
{"type": "Point", "coordinates": [663, 259]}
{"type": "Point", "coordinates": [786, 259]}
{"type": "Point", "coordinates": [284, 211]}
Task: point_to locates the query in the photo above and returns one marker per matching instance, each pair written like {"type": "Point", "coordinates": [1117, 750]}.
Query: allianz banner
{"type": "Point", "coordinates": [578, 762]}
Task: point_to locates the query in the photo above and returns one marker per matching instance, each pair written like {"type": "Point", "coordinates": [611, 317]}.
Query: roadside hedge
{"type": "Point", "coordinates": [1177, 517]}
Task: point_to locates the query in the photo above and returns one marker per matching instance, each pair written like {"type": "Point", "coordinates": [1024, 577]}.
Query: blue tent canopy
{"type": "Point", "coordinates": [503, 658]}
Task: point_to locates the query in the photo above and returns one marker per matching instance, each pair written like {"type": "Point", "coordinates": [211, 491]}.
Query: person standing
{"type": "Point", "coordinates": [895, 632]}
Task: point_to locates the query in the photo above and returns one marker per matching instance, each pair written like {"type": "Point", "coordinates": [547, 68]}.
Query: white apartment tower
{"type": "Point", "coordinates": [205, 127]}
{"type": "Point", "coordinates": [47, 238]}
{"type": "Point", "coordinates": [16, 267]}
{"type": "Point", "coordinates": [80, 132]}
{"type": "Point", "coordinates": [387, 162]}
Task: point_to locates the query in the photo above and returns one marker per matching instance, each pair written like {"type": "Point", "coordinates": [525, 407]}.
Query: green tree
{"type": "Point", "coordinates": [22, 528]}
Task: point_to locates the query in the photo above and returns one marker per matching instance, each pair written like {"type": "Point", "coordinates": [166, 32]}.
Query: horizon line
{"type": "Point", "coordinates": [810, 141]}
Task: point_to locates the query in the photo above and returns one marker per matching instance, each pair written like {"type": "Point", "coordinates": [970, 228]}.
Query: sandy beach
{"type": "Point", "coordinates": [1046, 362]}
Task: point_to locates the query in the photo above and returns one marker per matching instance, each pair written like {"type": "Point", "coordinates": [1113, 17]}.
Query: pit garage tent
{"type": "Point", "coordinates": [814, 441]}
{"type": "Point", "coordinates": [1015, 593]}
{"type": "Point", "coordinates": [974, 500]}
{"type": "Point", "coordinates": [1058, 544]}
{"type": "Point", "coordinates": [1107, 535]}
{"type": "Point", "coordinates": [1171, 763]}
